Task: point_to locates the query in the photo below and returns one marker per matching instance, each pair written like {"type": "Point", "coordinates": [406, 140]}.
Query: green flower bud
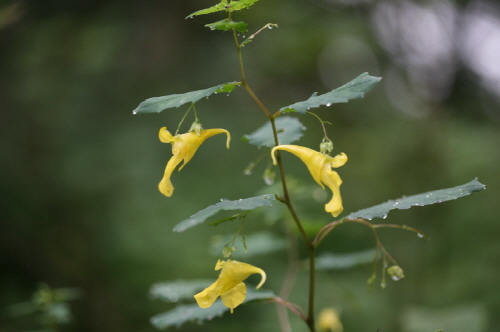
{"type": "Point", "coordinates": [196, 127]}
{"type": "Point", "coordinates": [228, 251]}
{"type": "Point", "coordinates": [396, 272]}
{"type": "Point", "coordinates": [326, 147]}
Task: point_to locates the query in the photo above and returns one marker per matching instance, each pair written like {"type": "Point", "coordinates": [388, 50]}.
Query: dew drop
{"type": "Point", "coordinates": [134, 112]}
{"type": "Point", "coordinates": [328, 104]}
{"type": "Point", "coordinates": [270, 27]}
{"type": "Point", "coordinates": [395, 278]}
{"type": "Point", "coordinates": [420, 235]}
{"type": "Point", "coordinates": [247, 172]}
{"type": "Point", "coordinates": [224, 200]}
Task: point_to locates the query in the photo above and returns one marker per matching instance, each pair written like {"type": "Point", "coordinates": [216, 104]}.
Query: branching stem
{"type": "Point", "coordinates": [309, 319]}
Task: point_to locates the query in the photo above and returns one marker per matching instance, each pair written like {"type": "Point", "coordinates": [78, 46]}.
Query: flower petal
{"type": "Point", "coordinates": [208, 296]}
{"type": "Point", "coordinates": [314, 160]}
{"type": "Point", "coordinates": [165, 186]}
{"type": "Point", "coordinates": [165, 135]}
{"type": "Point", "coordinates": [333, 181]}
{"type": "Point", "coordinates": [235, 296]}
{"type": "Point", "coordinates": [235, 272]}
{"type": "Point", "coordinates": [329, 320]}
{"type": "Point", "coordinates": [338, 160]}
{"type": "Point", "coordinates": [192, 141]}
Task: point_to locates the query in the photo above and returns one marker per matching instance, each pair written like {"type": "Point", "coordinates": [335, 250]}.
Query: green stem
{"type": "Point", "coordinates": [287, 200]}
{"type": "Point", "coordinates": [312, 285]}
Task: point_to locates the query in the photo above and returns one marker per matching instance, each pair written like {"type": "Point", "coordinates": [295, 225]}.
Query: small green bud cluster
{"type": "Point", "coordinates": [396, 272]}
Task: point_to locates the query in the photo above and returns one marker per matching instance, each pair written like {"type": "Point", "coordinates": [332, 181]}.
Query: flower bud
{"type": "Point", "coordinates": [396, 272]}
{"type": "Point", "coordinates": [196, 127]}
{"type": "Point", "coordinates": [326, 147]}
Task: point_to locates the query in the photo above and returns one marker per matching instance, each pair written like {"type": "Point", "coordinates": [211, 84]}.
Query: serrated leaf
{"type": "Point", "coordinates": [175, 291]}
{"type": "Point", "coordinates": [240, 204]}
{"type": "Point", "coordinates": [230, 7]}
{"type": "Point", "coordinates": [226, 24]}
{"type": "Point", "coordinates": [289, 130]}
{"type": "Point", "coordinates": [329, 261]}
{"type": "Point", "coordinates": [354, 89]}
{"type": "Point", "coordinates": [431, 197]}
{"type": "Point", "coordinates": [217, 8]}
{"type": "Point", "coordinates": [239, 5]}
{"type": "Point", "coordinates": [193, 313]}
{"type": "Point", "coordinates": [158, 104]}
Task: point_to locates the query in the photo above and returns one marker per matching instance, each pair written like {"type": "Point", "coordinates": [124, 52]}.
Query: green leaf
{"type": "Point", "coordinates": [354, 89]}
{"type": "Point", "coordinates": [240, 204]}
{"type": "Point", "coordinates": [220, 221]}
{"type": "Point", "coordinates": [217, 8]}
{"type": "Point", "coordinates": [239, 5]}
{"type": "Point", "coordinates": [226, 24]}
{"type": "Point", "coordinates": [230, 7]}
{"type": "Point", "coordinates": [158, 104]}
{"type": "Point", "coordinates": [174, 291]}
{"type": "Point", "coordinates": [289, 130]}
{"type": "Point", "coordinates": [431, 197]}
{"type": "Point", "coordinates": [329, 261]}
{"type": "Point", "coordinates": [193, 313]}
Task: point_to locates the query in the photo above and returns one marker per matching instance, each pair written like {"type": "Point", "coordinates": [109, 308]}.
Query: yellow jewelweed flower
{"type": "Point", "coordinates": [329, 320]}
{"type": "Point", "coordinates": [183, 148]}
{"type": "Point", "coordinates": [320, 166]}
{"type": "Point", "coordinates": [229, 286]}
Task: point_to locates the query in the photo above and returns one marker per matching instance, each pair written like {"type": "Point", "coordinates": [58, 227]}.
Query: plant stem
{"type": "Point", "coordinates": [309, 320]}
{"type": "Point", "coordinates": [312, 274]}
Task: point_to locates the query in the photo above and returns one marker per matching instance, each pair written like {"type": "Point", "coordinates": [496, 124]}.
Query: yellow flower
{"type": "Point", "coordinates": [183, 148]}
{"type": "Point", "coordinates": [320, 166]}
{"type": "Point", "coordinates": [329, 320]}
{"type": "Point", "coordinates": [229, 286]}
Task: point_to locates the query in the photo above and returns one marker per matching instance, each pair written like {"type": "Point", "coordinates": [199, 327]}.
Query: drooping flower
{"type": "Point", "coordinates": [329, 320]}
{"type": "Point", "coordinates": [320, 166]}
{"type": "Point", "coordinates": [183, 148]}
{"type": "Point", "coordinates": [230, 286]}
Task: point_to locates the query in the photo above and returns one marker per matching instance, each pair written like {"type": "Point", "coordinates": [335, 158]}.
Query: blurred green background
{"type": "Point", "coordinates": [80, 202]}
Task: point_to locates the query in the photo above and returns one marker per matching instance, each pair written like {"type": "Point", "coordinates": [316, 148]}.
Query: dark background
{"type": "Point", "coordinates": [80, 206]}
